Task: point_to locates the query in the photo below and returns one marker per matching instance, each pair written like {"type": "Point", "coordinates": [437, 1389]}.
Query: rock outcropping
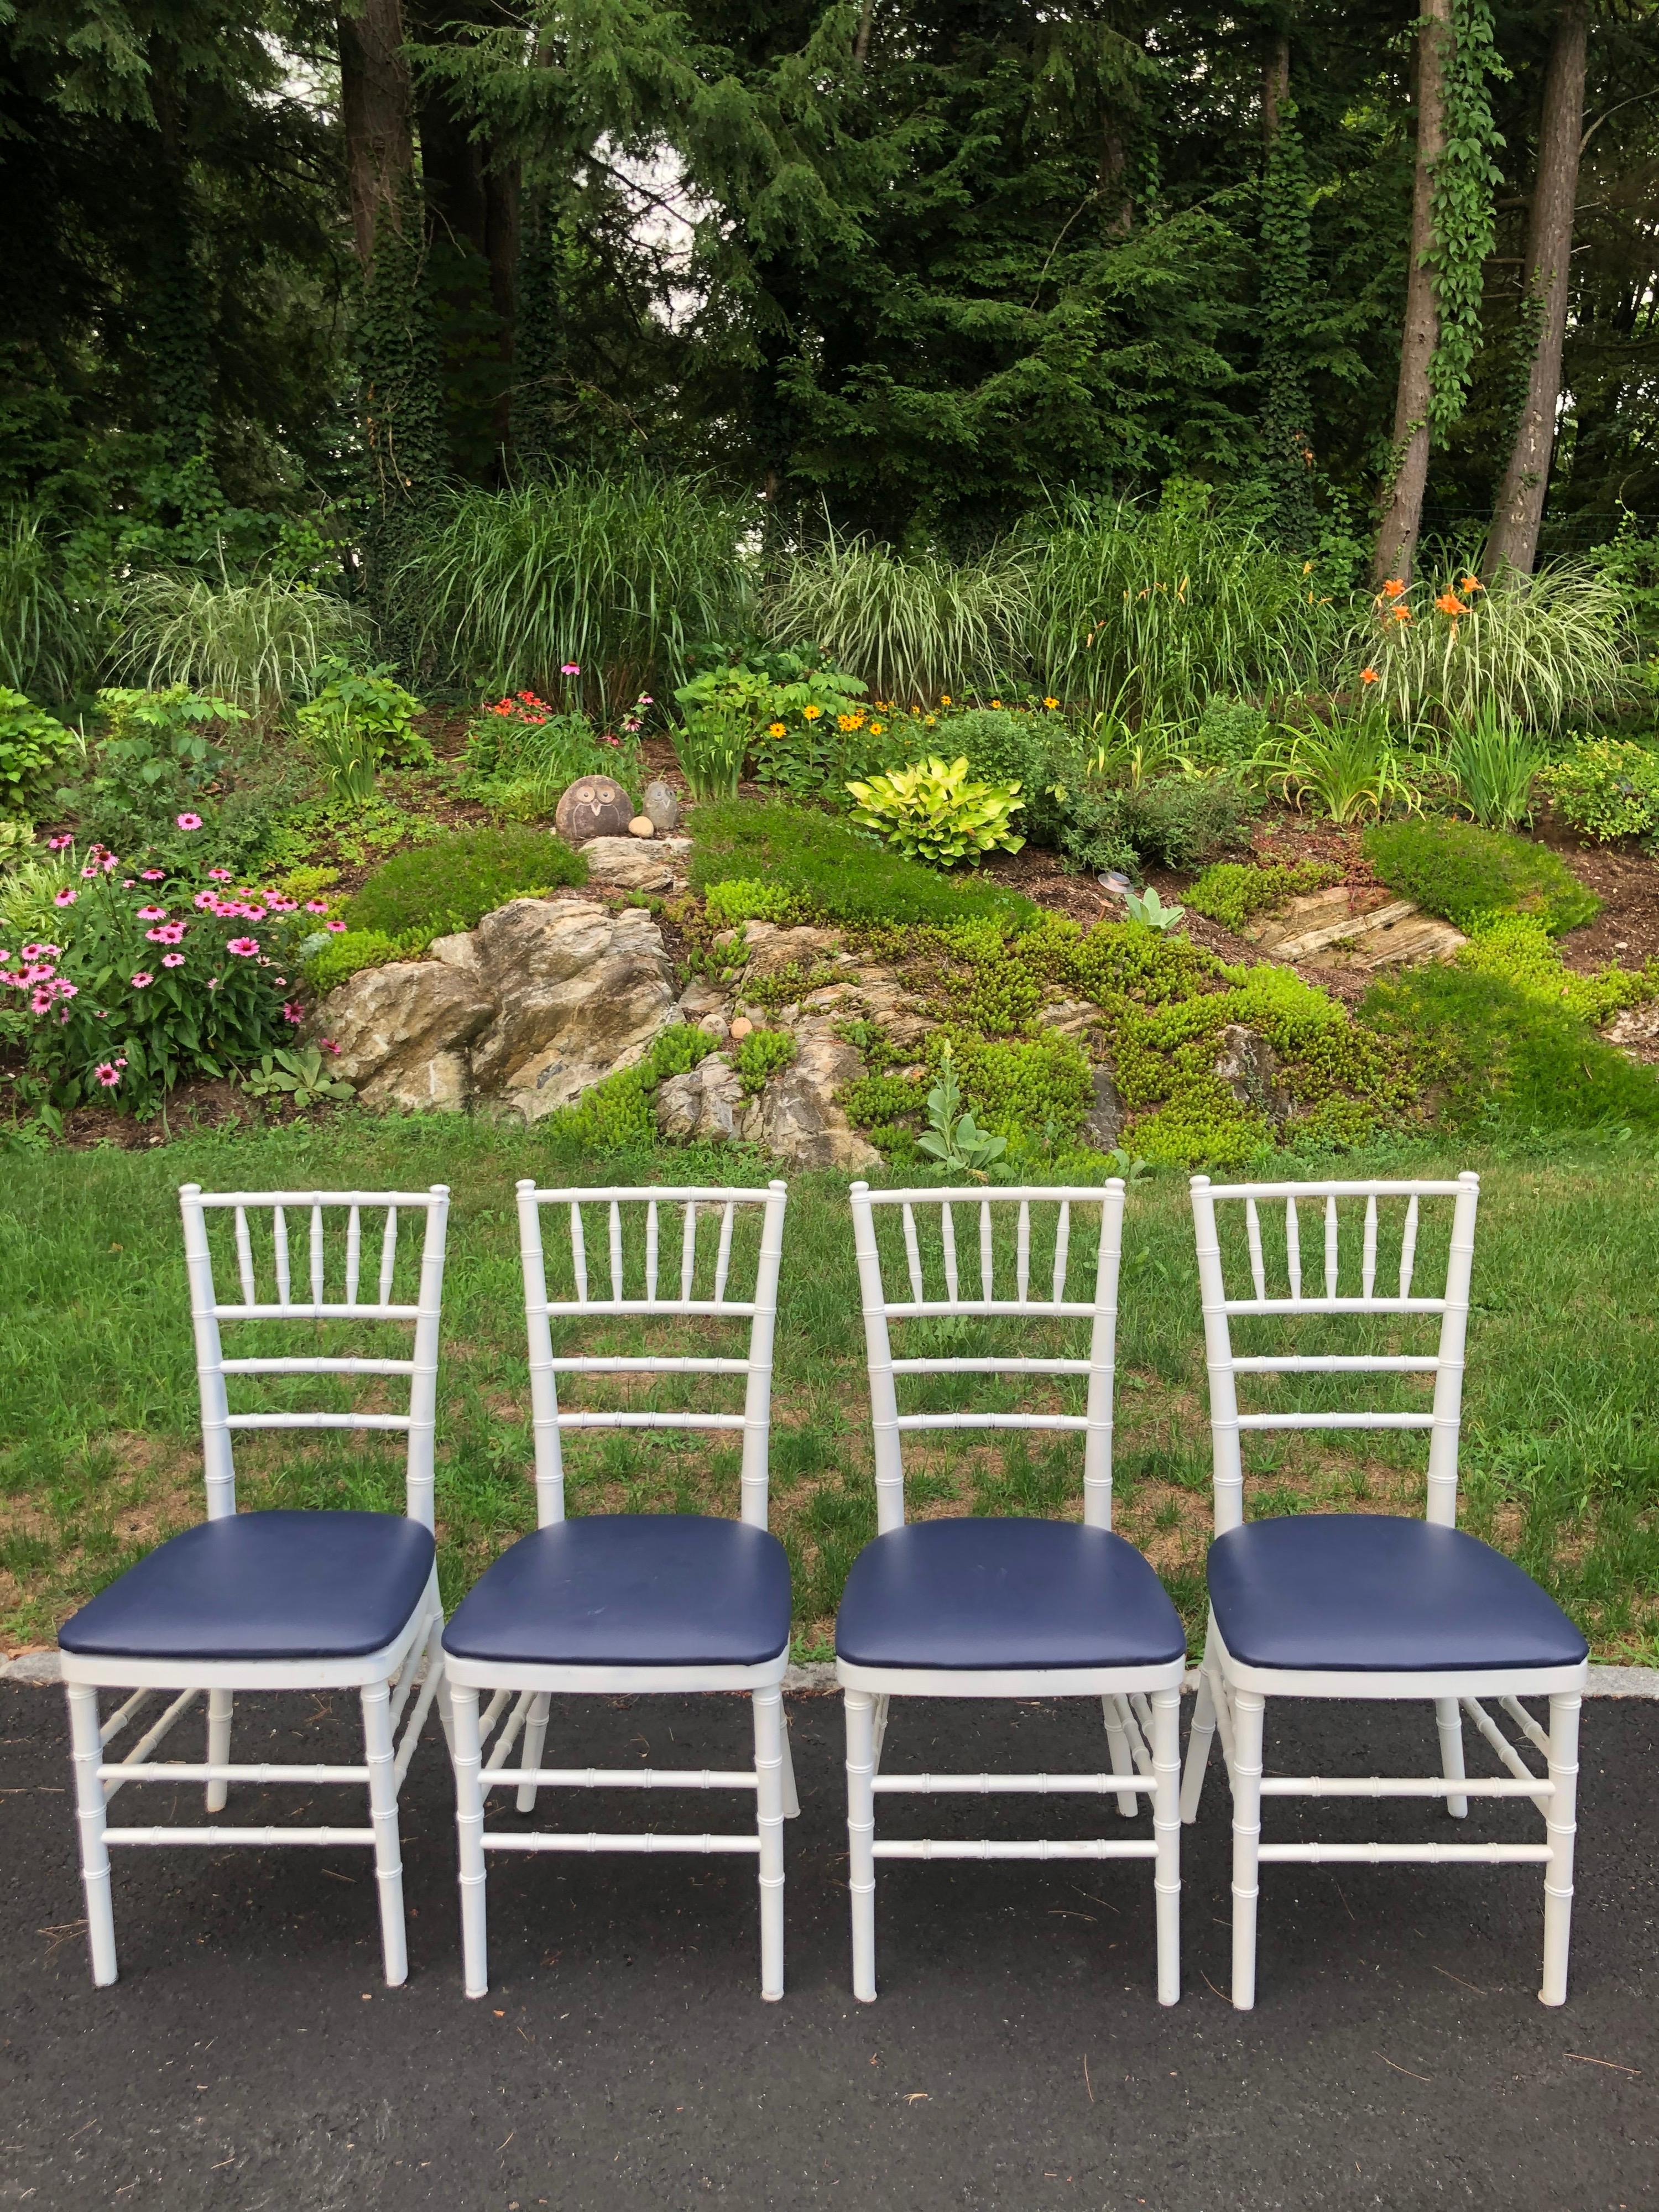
{"type": "Point", "coordinates": [514, 1017]}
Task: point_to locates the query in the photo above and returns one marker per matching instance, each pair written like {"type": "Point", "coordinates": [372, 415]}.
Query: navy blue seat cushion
{"type": "Point", "coordinates": [630, 1589]}
{"type": "Point", "coordinates": [263, 1586]}
{"type": "Point", "coordinates": [992, 1594]}
{"type": "Point", "coordinates": [1362, 1592]}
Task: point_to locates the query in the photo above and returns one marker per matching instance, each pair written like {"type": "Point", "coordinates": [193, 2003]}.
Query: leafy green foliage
{"type": "Point", "coordinates": [1492, 1043]}
{"type": "Point", "coordinates": [836, 874]}
{"type": "Point", "coordinates": [254, 643]}
{"type": "Point", "coordinates": [615, 1115]}
{"type": "Point", "coordinates": [166, 785]}
{"type": "Point", "coordinates": [522, 755]}
{"type": "Point", "coordinates": [759, 1056]}
{"type": "Point", "coordinates": [1462, 229]}
{"type": "Point", "coordinates": [1495, 763]}
{"type": "Point", "coordinates": [952, 1137]}
{"type": "Point", "coordinates": [1174, 821]}
{"type": "Point", "coordinates": [1345, 769]}
{"type": "Point", "coordinates": [788, 710]}
{"type": "Point", "coordinates": [337, 959]}
{"type": "Point", "coordinates": [1608, 787]}
{"type": "Point", "coordinates": [35, 748]}
{"type": "Point", "coordinates": [727, 904]}
{"type": "Point", "coordinates": [933, 812]}
{"type": "Point", "coordinates": [300, 1075]}
{"type": "Point", "coordinates": [1147, 910]}
{"type": "Point", "coordinates": [49, 631]}
{"type": "Point", "coordinates": [1463, 872]}
{"type": "Point", "coordinates": [614, 574]}
{"type": "Point", "coordinates": [357, 722]}
{"type": "Point", "coordinates": [453, 884]}
{"type": "Point", "coordinates": [149, 984]}
{"type": "Point", "coordinates": [1518, 950]}
{"type": "Point", "coordinates": [1232, 893]}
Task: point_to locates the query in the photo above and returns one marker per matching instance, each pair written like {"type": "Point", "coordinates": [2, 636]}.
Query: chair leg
{"type": "Point", "coordinates": [381, 1754]}
{"type": "Point", "coordinates": [535, 1742]}
{"type": "Point", "coordinates": [791, 1796]}
{"type": "Point", "coordinates": [1166, 1826]}
{"type": "Point", "coordinates": [1561, 1824]}
{"type": "Point", "coordinates": [88, 1752]}
{"type": "Point", "coordinates": [861, 1839]}
{"type": "Point", "coordinates": [769, 1756]}
{"type": "Point", "coordinates": [469, 1840]}
{"type": "Point", "coordinates": [878, 1735]}
{"type": "Point", "coordinates": [1448, 1718]}
{"type": "Point", "coordinates": [1198, 1745]}
{"type": "Point", "coordinates": [1117, 1742]}
{"type": "Point", "coordinates": [1246, 1776]}
{"type": "Point", "coordinates": [221, 1704]}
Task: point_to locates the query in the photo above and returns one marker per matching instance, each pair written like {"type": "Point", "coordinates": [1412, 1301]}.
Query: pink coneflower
{"type": "Point", "coordinates": [188, 821]}
{"type": "Point", "coordinates": [39, 971]}
{"type": "Point", "coordinates": [170, 932]}
{"type": "Point", "coordinates": [129, 883]}
{"type": "Point", "coordinates": [219, 875]}
{"type": "Point", "coordinates": [204, 900]}
{"type": "Point", "coordinates": [11, 978]}
{"type": "Point", "coordinates": [173, 959]}
{"type": "Point", "coordinates": [329, 1045]}
{"type": "Point", "coordinates": [143, 980]}
{"type": "Point", "coordinates": [316, 906]}
{"type": "Point", "coordinates": [89, 871]}
{"type": "Point", "coordinates": [277, 904]}
{"type": "Point", "coordinates": [42, 999]}
{"type": "Point", "coordinates": [244, 948]}
{"type": "Point", "coordinates": [67, 896]}
{"type": "Point", "coordinates": [152, 913]}
{"type": "Point", "coordinates": [59, 844]}
{"type": "Point", "coordinates": [66, 990]}
{"type": "Point", "coordinates": [571, 668]}
{"type": "Point", "coordinates": [336, 927]}
{"type": "Point", "coordinates": [38, 952]}
{"type": "Point", "coordinates": [213, 982]}
{"type": "Point", "coordinates": [108, 1075]}
{"type": "Point", "coordinates": [292, 1011]}
{"type": "Point", "coordinates": [152, 875]}
{"type": "Point", "coordinates": [110, 863]}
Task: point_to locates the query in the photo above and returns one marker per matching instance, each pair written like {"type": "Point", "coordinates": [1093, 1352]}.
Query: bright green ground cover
{"type": "Point", "coordinates": [99, 1451]}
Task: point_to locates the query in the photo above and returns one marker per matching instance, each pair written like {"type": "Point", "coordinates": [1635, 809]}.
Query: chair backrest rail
{"type": "Point", "coordinates": [542, 1310]}
{"type": "Point", "coordinates": [1451, 1308]}
{"type": "Point", "coordinates": [980, 1212]}
{"type": "Point", "coordinates": [209, 1311]}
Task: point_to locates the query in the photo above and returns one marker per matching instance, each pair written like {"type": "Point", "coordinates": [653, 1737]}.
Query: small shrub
{"type": "Point", "coordinates": [35, 749]}
{"type": "Point", "coordinates": [1029, 751]}
{"type": "Point", "coordinates": [1174, 821]}
{"type": "Point", "coordinates": [615, 1115]}
{"type": "Point", "coordinates": [1607, 787]}
{"type": "Point", "coordinates": [728, 904]}
{"type": "Point", "coordinates": [453, 884]}
{"type": "Point", "coordinates": [1489, 1044]}
{"type": "Point", "coordinates": [356, 724]}
{"type": "Point", "coordinates": [338, 959]}
{"type": "Point", "coordinates": [932, 812]}
{"type": "Point", "coordinates": [1232, 892]}
{"type": "Point", "coordinates": [760, 1056]}
{"type": "Point", "coordinates": [1462, 872]}
{"type": "Point", "coordinates": [1229, 734]}
{"type": "Point", "coordinates": [839, 876]}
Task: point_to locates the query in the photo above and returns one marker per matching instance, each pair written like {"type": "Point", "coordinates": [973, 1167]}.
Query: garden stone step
{"type": "Point", "coordinates": [1320, 928]}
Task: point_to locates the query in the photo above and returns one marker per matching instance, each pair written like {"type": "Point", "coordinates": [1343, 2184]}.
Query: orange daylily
{"type": "Point", "coordinates": [1471, 583]}
{"type": "Point", "coordinates": [1369, 676]}
{"type": "Point", "coordinates": [1395, 587]}
{"type": "Point", "coordinates": [1449, 604]}
{"type": "Point", "coordinates": [1401, 614]}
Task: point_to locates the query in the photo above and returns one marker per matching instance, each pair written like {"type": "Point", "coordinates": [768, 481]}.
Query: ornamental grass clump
{"type": "Point", "coordinates": [154, 978]}
{"type": "Point", "coordinates": [933, 812]}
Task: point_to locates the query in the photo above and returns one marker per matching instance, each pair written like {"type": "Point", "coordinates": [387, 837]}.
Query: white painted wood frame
{"type": "Point", "coordinates": [1232, 1696]}
{"type": "Point", "coordinates": [397, 1685]}
{"type": "Point", "coordinates": [679, 1227]}
{"type": "Point", "coordinates": [1141, 1705]}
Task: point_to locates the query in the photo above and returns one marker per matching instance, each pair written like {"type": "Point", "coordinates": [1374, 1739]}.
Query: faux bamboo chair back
{"type": "Point", "coordinates": [1349, 1283]}
{"type": "Point", "coordinates": [664, 1253]}
{"type": "Point", "coordinates": [345, 1278]}
{"type": "Point", "coordinates": [1039, 1292]}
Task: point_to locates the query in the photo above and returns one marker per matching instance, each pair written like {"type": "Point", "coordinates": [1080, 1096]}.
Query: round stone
{"type": "Point", "coordinates": [641, 826]}
{"type": "Point", "coordinates": [593, 806]}
{"type": "Point", "coordinates": [742, 1026]}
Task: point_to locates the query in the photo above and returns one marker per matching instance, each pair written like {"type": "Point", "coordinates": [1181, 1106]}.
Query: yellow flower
{"type": "Point", "coordinates": [1051, 703]}
{"type": "Point", "coordinates": [928, 720]}
{"type": "Point", "coordinates": [775, 729]}
{"type": "Point", "coordinates": [875, 729]}
{"type": "Point", "coordinates": [996, 702]}
{"type": "Point", "coordinates": [944, 698]}
{"type": "Point", "coordinates": [810, 714]}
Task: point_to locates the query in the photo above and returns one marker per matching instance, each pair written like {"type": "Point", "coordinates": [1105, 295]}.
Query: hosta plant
{"type": "Point", "coordinates": [931, 812]}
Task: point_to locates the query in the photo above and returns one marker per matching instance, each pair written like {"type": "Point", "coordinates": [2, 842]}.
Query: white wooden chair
{"type": "Point", "coordinates": [278, 1600]}
{"type": "Point", "coordinates": [1368, 1605]}
{"type": "Point", "coordinates": [983, 1607]}
{"type": "Point", "coordinates": [631, 1602]}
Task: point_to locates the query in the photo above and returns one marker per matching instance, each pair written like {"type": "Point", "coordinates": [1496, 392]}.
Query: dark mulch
{"type": "Point", "coordinates": [251, 2056]}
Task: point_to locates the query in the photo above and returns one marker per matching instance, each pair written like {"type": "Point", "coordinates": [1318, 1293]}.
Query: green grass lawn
{"type": "Point", "coordinates": [99, 1445]}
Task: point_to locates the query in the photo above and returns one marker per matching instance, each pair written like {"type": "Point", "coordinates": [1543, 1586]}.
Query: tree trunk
{"type": "Point", "coordinates": [1520, 506]}
{"type": "Point", "coordinates": [1402, 501]}
{"type": "Point", "coordinates": [376, 112]}
{"type": "Point", "coordinates": [1275, 86]}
